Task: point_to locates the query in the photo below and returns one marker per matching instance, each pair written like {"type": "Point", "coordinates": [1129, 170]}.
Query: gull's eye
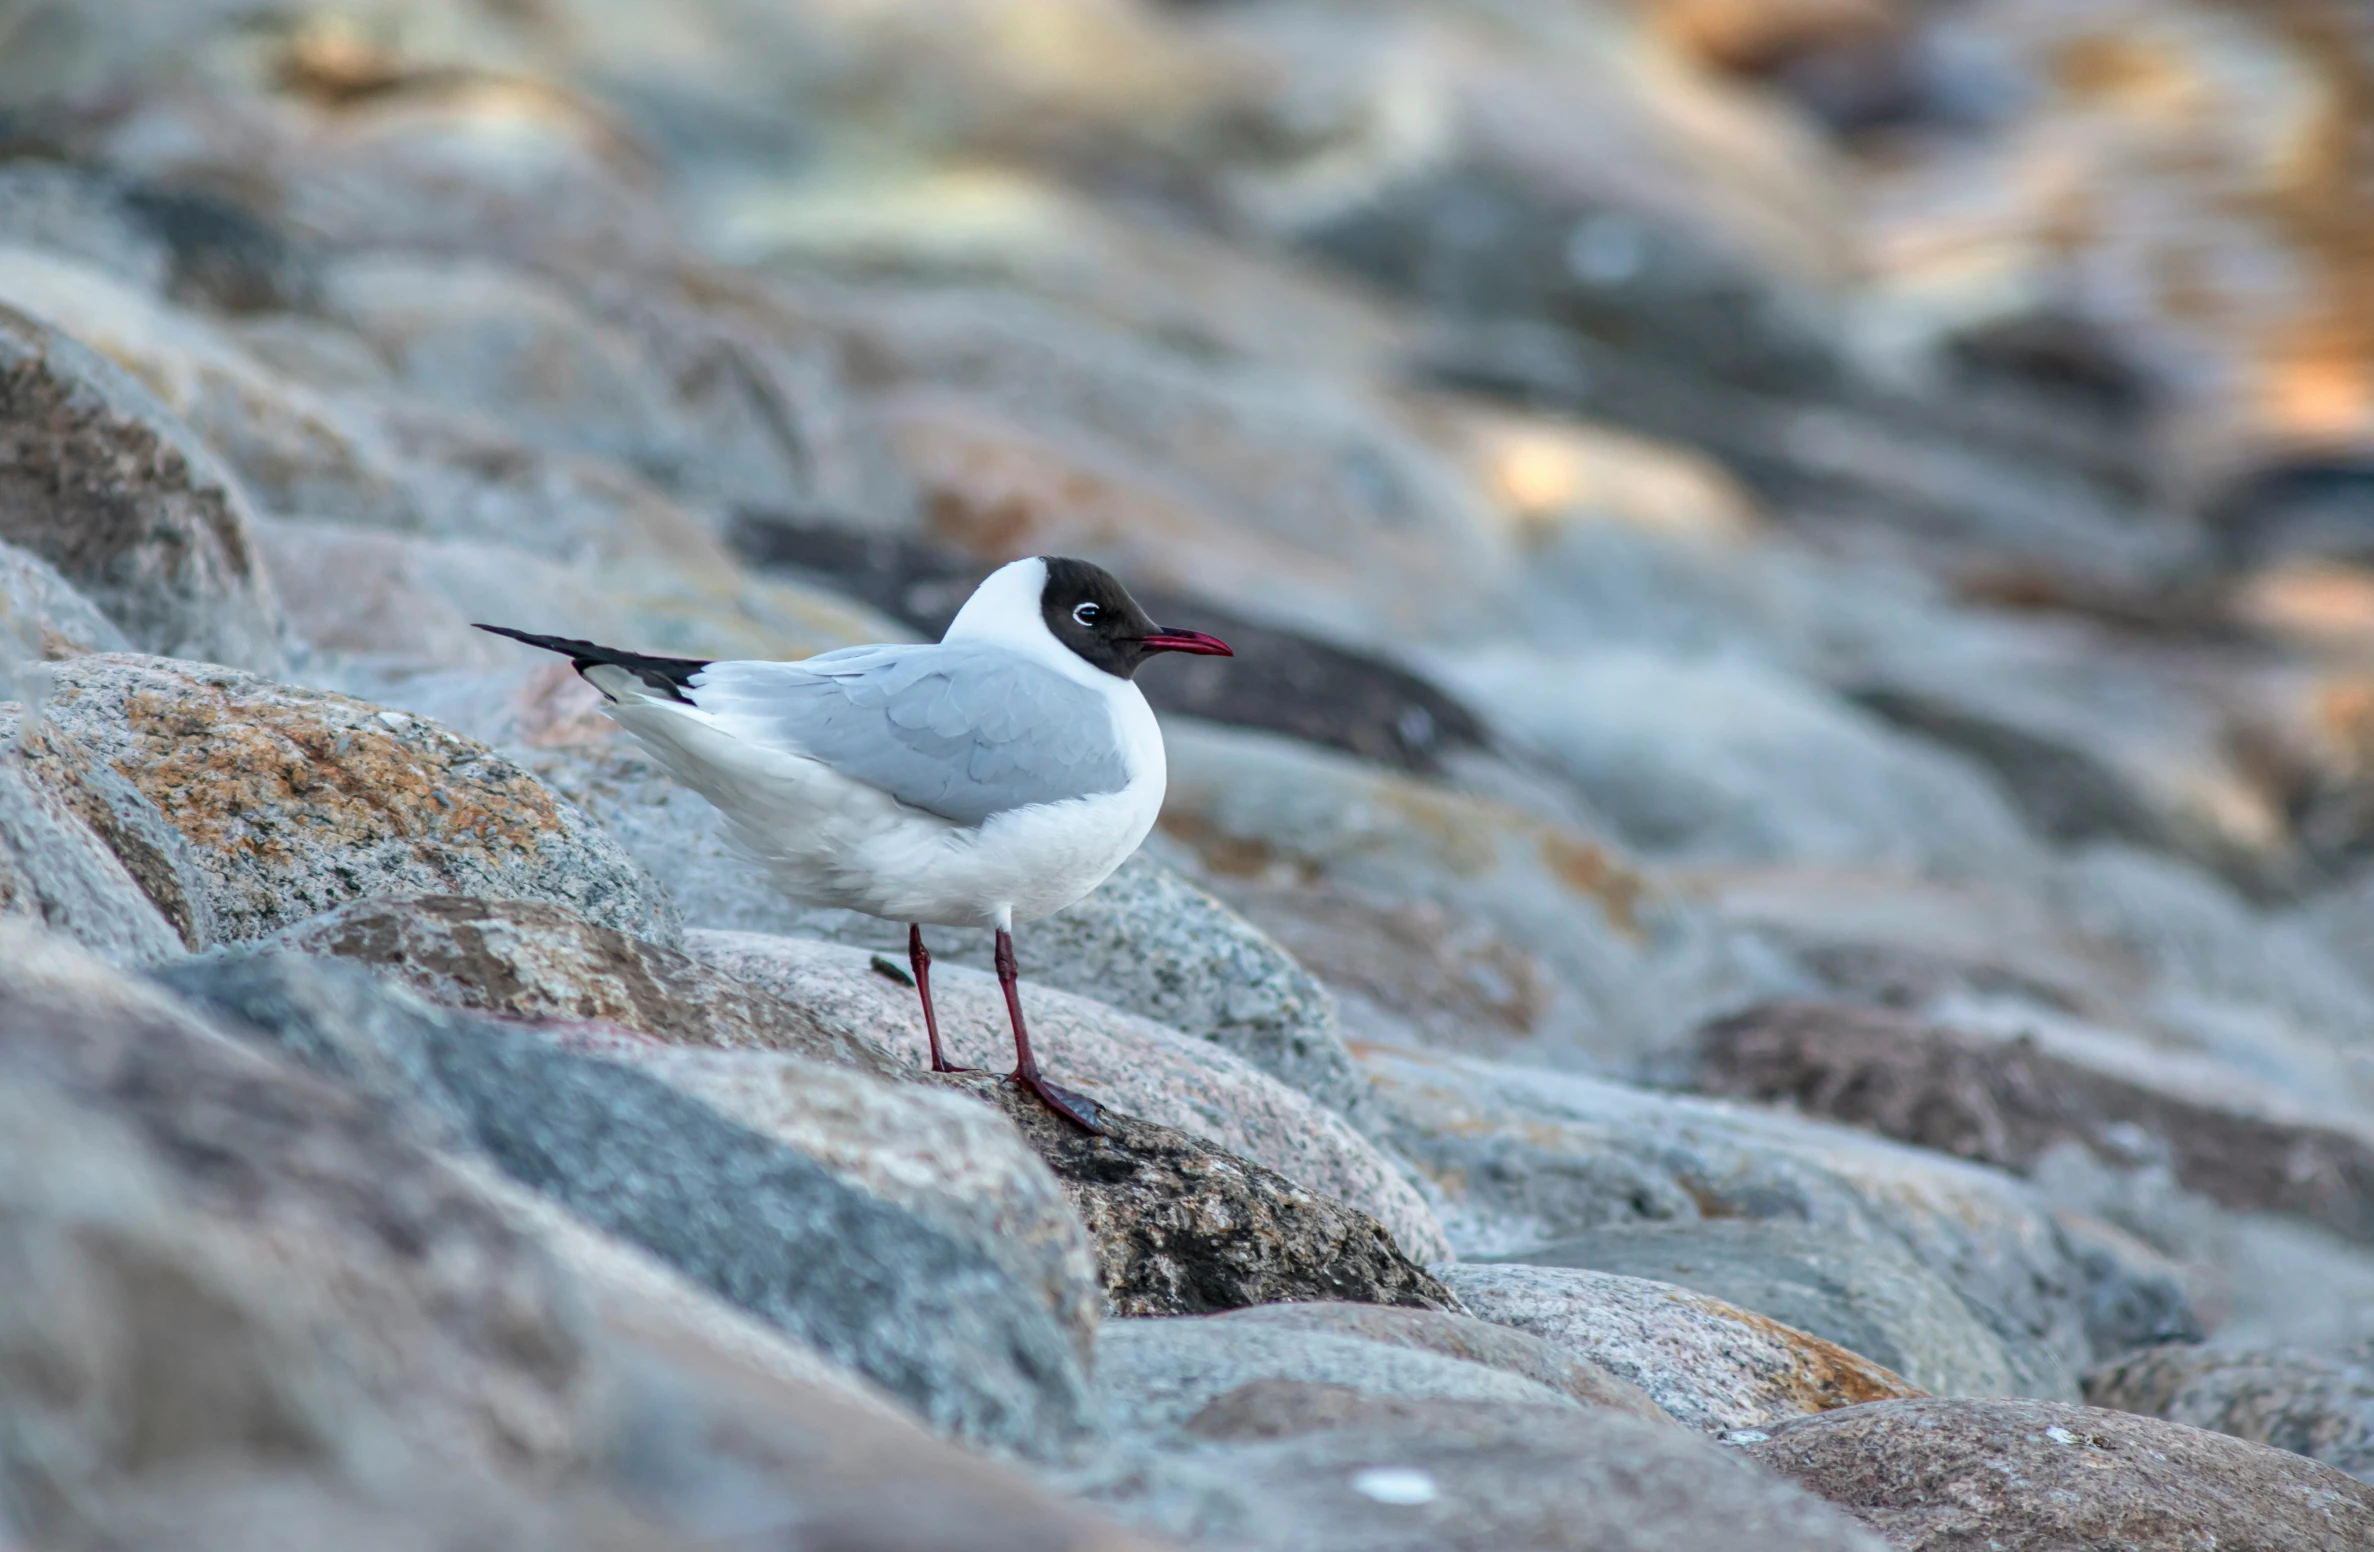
{"type": "Point", "coordinates": [1085, 613]}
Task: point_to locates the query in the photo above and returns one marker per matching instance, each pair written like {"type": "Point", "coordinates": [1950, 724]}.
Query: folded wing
{"type": "Point", "coordinates": [961, 731]}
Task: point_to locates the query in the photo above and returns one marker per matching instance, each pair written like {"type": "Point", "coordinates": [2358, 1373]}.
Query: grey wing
{"type": "Point", "coordinates": [959, 731]}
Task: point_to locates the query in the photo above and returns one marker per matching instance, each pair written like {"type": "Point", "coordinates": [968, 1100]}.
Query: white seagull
{"type": "Point", "coordinates": [991, 777]}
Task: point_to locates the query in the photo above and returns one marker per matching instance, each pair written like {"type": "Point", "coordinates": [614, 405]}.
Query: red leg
{"type": "Point", "coordinates": [920, 958]}
{"type": "Point", "coordinates": [1075, 1108]}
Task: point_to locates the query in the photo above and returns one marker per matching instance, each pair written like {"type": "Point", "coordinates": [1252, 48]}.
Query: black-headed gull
{"type": "Point", "coordinates": [992, 777]}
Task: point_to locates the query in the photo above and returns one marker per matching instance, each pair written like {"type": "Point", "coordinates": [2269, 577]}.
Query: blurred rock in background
{"type": "Point", "coordinates": [1799, 774]}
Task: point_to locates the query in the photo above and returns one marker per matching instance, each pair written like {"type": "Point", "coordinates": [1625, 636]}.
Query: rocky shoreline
{"type": "Point", "coordinates": [1766, 946]}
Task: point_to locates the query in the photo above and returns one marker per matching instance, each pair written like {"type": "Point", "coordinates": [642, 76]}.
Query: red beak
{"type": "Point", "coordinates": [1186, 641]}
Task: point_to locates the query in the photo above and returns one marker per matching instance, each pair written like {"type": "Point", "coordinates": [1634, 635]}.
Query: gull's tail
{"type": "Point", "coordinates": [670, 676]}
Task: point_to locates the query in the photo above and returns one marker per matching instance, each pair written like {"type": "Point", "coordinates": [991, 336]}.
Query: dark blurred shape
{"type": "Point", "coordinates": [225, 255]}
{"type": "Point", "coordinates": [2306, 508]}
{"type": "Point", "coordinates": [2058, 355]}
{"type": "Point", "coordinates": [1280, 681]}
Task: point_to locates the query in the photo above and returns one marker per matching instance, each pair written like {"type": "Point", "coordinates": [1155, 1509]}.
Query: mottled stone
{"type": "Point", "coordinates": [1865, 1295]}
{"type": "Point", "coordinates": [291, 801]}
{"type": "Point", "coordinates": [41, 614]}
{"type": "Point", "coordinates": [928, 1315]}
{"type": "Point", "coordinates": [1155, 1376]}
{"type": "Point", "coordinates": [532, 959]}
{"type": "Point", "coordinates": [2043, 1476]}
{"type": "Point", "coordinates": [1132, 1063]}
{"type": "Point", "coordinates": [108, 486]}
{"type": "Point", "coordinates": [54, 870]}
{"type": "Point", "coordinates": [1711, 1365]}
{"type": "Point", "coordinates": [2320, 1405]}
{"type": "Point", "coordinates": [1526, 1157]}
{"type": "Point", "coordinates": [2008, 1101]}
{"type": "Point", "coordinates": [940, 1156]}
{"type": "Point", "coordinates": [1403, 1475]}
{"type": "Point", "coordinates": [1182, 1228]}
{"type": "Point", "coordinates": [1463, 1337]}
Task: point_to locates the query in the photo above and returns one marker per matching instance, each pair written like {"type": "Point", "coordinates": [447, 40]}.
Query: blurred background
{"type": "Point", "coordinates": [1894, 477]}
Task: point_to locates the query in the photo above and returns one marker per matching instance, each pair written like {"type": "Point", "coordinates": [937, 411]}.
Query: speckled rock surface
{"type": "Point", "coordinates": [1709, 1364]}
{"type": "Point", "coordinates": [41, 614]}
{"type": "Point", "coordinates": [1867, 1296]}
{"type": "Point", "coordinates": [1183, 1228]}
{"type": "Point", "coordinates": [1454, 1476]}
{"type": "Point", "coordinates": [1463, 1337]}
{"type": "Point", "coordinates": [108, 486]}
{"type": "Point", "coordinates": [2042, 1476]}
{"type": "Point", "coordinates": [1117, 1058]}
{"type": "Point", "coordinates": [1526, 1157]}
{"type": "Point", "coordinates": [2320, 1405]}
{"type": "Point", "coordinates": [293, 800]}
{"type": "Point", "coordinates": [2227, 1135]}
{"type": "Point", "coordinates": [1153, 1376]}
{"type": "Point", "coordinates": [535, 960]}
{"type": "Point", "coordinates": [927, 1315]}
{"type": "Point", "coordinates": [54, 870]}
{"type": "Point", "coordinates": [939, 1155]}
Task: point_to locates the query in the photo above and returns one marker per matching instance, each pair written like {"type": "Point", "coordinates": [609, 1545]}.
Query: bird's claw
{"type": "Point", "coordinates": [1078, 1109]}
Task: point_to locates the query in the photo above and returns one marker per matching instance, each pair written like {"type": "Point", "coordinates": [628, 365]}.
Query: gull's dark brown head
{"type": "Point", "coordinates": [1089, 611]}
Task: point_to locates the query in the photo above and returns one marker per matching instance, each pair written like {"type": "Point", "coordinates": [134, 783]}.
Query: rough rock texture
{"type": "Point", "coordinates": [2042, 1476]}
{"type": "Point", "coordinates": [2316, 1404]}
{"type": "Point", "coordinates": [1470, 1477]}
{"type": "Point", "coordinates": [1153, 1376]}
{"type": "Point", "coordinates": [930, 1317]}
{"type": "Point", "coordinates": [41, 614]}
{"type": "Point", "coordinates": [199, 1240]}
{"type": "Point", "coordinates": [1709, 1364]}
{"type": "Point", "coordinates": [1139, 1066]}
{"type": "Point", "coordinates": [55, 871]}
{"type": "Point", "coordinates": [108, 486]}
{"type": "Point", "coordinates": [940, 1156]}
{"type": "Point", "coordinates": [1529, 1157]}
{"type": "Point", "coordinates": [2008, 1101]}
{"type": "Point", "coordinates": [1182, 1228]}
{"type": "Point", "coordinates": [159, 858]}
{"type": "Point", "coordinates": [535, 960]}
{"type": "Point", "coordinates": [1866, 1296]}
{"type": "Point", "coordinates": [293, 800]}
{"type": "Point", "coordinates": [1463, 1337]}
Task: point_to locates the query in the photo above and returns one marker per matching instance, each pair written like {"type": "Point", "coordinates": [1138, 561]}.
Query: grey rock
{"type": "Point", "coordinates": [2008, 1102]}
{"type": "Point", "coordinates": [1463, 1337]}
{"type": "Point", "coordinates": [1709, 1364]}
{"type": "Point", "coordinates": [290, 801]}
{"type": "Point", "coordinates": [235, 1276]}
{"type": "Point", "coordinates": [2320, 1405]}
{"type": "Point", "coordinates": [1525, 1157]}
{"type": "Point", "coordinates": [941, 1156]}
{"type": "Point", "coordinates": [1448, 1476]}
{"type": "Point", "coordinates": [531, 959]}
{"type": "Point", "coordinates": [931, 1318]}
{"type": "Point", "coordinates": [1182, 1228]}
{"type": "Point", "coordinates": [1444, 917]}
{"type": "Point", "coordinates": [2043, 1476]}
{"type": "Point", "coordinates": [1153, 1376]}
{"type": "Point", "coordinates": [41, 614]}
{"type": "Point", "coordinates": [1130, 1063]}
{"type": "Point", "coordinates": [1867, 1296]}
{"type": "Point", "coordinates": [55, 871]}
{"type": "Point", "coordinates": [1727, 761]}
{"type": "Point", "coordinates": [108, 486]}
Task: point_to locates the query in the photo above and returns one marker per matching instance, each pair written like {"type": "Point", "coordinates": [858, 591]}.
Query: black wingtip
{"type": "Point", "coordinates": [670, 675]}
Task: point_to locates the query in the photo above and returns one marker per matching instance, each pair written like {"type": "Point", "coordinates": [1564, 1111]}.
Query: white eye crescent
{"type": "Point", "coordinates": [1085, 613]}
